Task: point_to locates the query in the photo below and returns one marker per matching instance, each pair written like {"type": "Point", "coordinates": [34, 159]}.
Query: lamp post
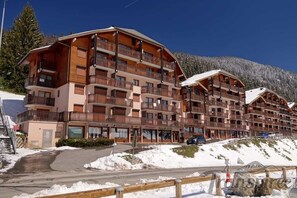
{"type": "Point", "coordinates": [2, 23]}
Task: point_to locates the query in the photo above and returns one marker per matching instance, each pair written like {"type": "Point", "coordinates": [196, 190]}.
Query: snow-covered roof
{"type": "Point", "coordinates": [198, 77]}
{"type": "Point", "coordinates": [125, 30]}
{"type": "Point", "coordinates": [254, 94]}
{"type": "Point", "coordinates": [291, 104]}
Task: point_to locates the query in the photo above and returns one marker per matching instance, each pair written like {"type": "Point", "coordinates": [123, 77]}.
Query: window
{"type": "Point", "coordinates": [43, 94]}
{"type": "Point", "coordinates": [81, 52]}
{"type": "Point", "coordinates": [149, 100]}
{"type": "Point", "coordinates": [135, 113]}
{"type": "Point", "coordinates": [136, 97]}
{"type": "Point", "coordinates": [58, 94]}
{"type": "Point", "coordinates": [81, 71]}
{"type": "Point", "coordinates": [149, 84]}
{"type": "Point", "coordinates": [78, 108]}
{"type": "Point", "coordinates": [135, 82]}
{"type": "Point", "coordinates": [79, 89]}
{"type": "Point", "coordinates": [120, 78]}
{"type": "Point", "coordinates": [75, 132]}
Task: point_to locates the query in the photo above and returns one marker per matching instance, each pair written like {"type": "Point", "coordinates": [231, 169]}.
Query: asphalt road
{"type": "Point", "coordinates": [32, 182]}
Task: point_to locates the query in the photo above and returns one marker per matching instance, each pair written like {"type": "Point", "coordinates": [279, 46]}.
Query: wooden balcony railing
{"type": "Point", "coordinates": [98, 98]}
{"type": "Point", "coordinates": [217, 103]}
{"type": "Point", "coordinates": [160, 122]}
{"type": "Point", "coordinates": [105, 63]}
{"type": "Point", "coordinates": [102, 80]}
{"type": "Point", "coordinates": [235, 107]}
{"type": "Point", "coordinates": [217, 124]}
{"type": "Point", "coordinates": [195, 109]}
{"type": "Point", "coordinates": [103, 44]}
{"type": "Point", "coordinates": [159, 107]}
{"type": "Point", "coordinates": [228, 86]}
{"type": "Point", "coordinates": [236, 117]}
{"type": "Point", "coordinates": [37, 115]}
{"type": "Point", "coordinates": [169, 65]}
{"type": "Point", "coordinates": [218, 114]}
{"type": "Point", "coordinates": [194, 97]}
{"type": "Point", "coordinates": [47, 65]}
{"type": "Point", "coordinates": [261, 120]}
{"type": "Point", "coordinates": [271, 108]}
{"type": "Point", "coordinates": [237, 126]}
{"type": "Point", "coordinates": [257, 128]}
{"type": "Point", "coordinates": [151, 59]}
{"type": "Point", "coordinates": [156, 91]}
{"type": "Point", "coordinates": [36, 100]}
{"type": "Point", "coordinates": [254, 111]}
{"type": "Point", "coordinates": [192, 121]}
{"type": "Point", "coordinates": [129, 52]}
{"type": "Point", "coordinates": [36, 81]}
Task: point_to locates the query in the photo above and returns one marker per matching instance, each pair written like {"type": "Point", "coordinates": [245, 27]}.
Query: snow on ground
{"type": "Point", "coordinates": [214, 154]}
{"type": "Point", "coordinates": [11, 159]}
{"type": "Point", "coordinates": [198, 190]}
{"type": "Point", "coordinates": [13, 104]}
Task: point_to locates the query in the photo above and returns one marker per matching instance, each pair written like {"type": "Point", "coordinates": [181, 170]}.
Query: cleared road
{"type": "Point", "coordinates": [31, 183]}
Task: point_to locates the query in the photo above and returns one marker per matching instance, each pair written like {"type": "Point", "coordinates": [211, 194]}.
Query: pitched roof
{"type": "Point", "coordinates": [124, 30]}
{"type": "Point", "coordinates": [254, 94]}
{"type": "Point", "coordinates": [198, 77]}
{"type": "Point", "coordinates": [291, 104]}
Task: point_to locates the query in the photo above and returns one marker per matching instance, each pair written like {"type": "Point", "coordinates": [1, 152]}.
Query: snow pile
{"type": "Point", "coordinates": [61, 189]}
{"type": "Point", "coordinates": [214, 154]}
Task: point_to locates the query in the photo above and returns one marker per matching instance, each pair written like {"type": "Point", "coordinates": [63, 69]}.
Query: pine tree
{"type": "Point", "coordinates": [23, 36]}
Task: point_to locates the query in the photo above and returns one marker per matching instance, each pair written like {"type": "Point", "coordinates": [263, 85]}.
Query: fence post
{"type": "Point", "coordinates": [119, 192]}
{"type": "Point", "coordinates": [284, 173]}
{"type": "Point", "coordinates": [267, 172]}
{"type": "Point", "coordinates": [218, 185]}
{"type": "Point", "coordinates": [178, 190]}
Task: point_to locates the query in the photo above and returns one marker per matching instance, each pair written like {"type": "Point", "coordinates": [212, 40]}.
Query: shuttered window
{"type": "Point", "coordinates": [79, 89]}
{"type": "Point", "coordinates": [78, 108]}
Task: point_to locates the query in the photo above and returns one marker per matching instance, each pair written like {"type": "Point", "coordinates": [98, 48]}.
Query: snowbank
{"type": "Point", "coordinates": [214, 154]}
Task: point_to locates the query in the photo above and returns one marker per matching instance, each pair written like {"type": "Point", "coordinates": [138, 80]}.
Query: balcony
{"type": "Point", "coordinates": [151, 59]}
{"type": "Point", "coordinates": [36, 100]}
{"type": "Point", "coordinates": [169, 65]}
{"type": "Point", "coordinates": [36, 81]}
{"type": "Point", "coordinates": [237, 126]}
{"type": "Point", "coordinates": [217, 103]}
{"type": "Point", "coordinates": [271, 101]}
{"type": "Point", "coordinates": [257, 128]}
{"type": "Point", "coordinates": [271, 108]}
{"type": "Point", "coordinates": [195, 109]}
{"type": "Point", "coordinates": [137, 71]}
{"type": "Point", "coordinates": [105, 63]}
{"type": "Point", "coordinates": [235, 107]}
{"type": "Point", "coordinates": [236, 117]}
{"type": "Point", "coordinates": [99, 117]}
{"type": "Point", "coordinates": [217, 83]}
{"type": "Point", "coordinates": [106, 45]}
{"type": "Point", "coordinates": [110, 82]}
{"type": "Point", "coordinates": [159, 107]}
{"type": "Point", "coordinates": [192, 122]}
{"type": "Point", "coordinates": [218, 114]}
{"type": "Point", "coordinates": [47, 66]}
{"type": "Point", "coordinates": [37, 115]}
{"type": "Point", "coordinates": [254, 111]}
{"type": "Point", "coordinates": [261, 120]}
{"type": "Point", "coordinates": [126, 51]}
{"type": "Point", "coordinates": [194, 97]}
{"type": "Point", "coordinates": [156, 91]}
{"type": "Point", "coordinates": [160, 122]}
{"type": "Point", "coordinates": [217, 124]}
{"type": "Point", "coordinates": [103, 99]}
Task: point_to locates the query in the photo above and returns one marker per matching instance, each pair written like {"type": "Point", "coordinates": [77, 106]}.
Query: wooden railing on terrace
{"type": "Point", "coordinates": [36, 81]}
{"type": "Point", "coordinates": [102, 80]}
{"type": "Point", "coordinates": [98, 98]}
{"type": "Point", "coordinates": [159, 107]}
{"type": "Point", "coordinates": [156, 91]}
{"type": "Point", "coordinates": [30, 99]}
{"type": "Point", "coordinates": [37, 115]}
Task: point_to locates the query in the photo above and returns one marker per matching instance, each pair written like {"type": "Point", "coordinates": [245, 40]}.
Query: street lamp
{"type": "Point", "coordinates": [2, 23]}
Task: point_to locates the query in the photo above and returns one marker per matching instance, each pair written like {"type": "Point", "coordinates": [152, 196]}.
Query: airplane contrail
{"type": "Point", "coordinates": [130, 4]}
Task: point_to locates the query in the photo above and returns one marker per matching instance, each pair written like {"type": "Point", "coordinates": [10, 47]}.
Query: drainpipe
{"type": "Point", "coordinates": [116, 52]}
{"type": "Point", "coordinates": [161, 56]}
{"type": "Point", "coordinates": [95, 50]}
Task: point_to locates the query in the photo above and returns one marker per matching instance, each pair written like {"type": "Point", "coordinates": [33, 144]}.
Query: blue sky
{"type": "Point", "coordinates": [264, 31]}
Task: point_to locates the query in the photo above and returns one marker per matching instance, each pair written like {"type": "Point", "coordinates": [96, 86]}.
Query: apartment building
{"type": "Point", "coordinates": [113, 83]}
{"type": "Point", "coordinates": [213, 105]}
{"type": "Point", "coordinates": [293, 108]}
{"type": "Point", "coordinates": [268, 112]}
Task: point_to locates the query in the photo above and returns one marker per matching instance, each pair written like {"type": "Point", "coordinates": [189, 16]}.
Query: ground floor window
{"type": "Point", "coordinates": [75, 132]}
{"type": "Point", "coordinates": [118, 133]}
{"type": "Point", "coordinates": [94, 132]}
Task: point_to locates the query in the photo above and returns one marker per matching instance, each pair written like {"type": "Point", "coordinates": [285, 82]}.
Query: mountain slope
{"type": "Point", "coordinates": [251, 73]}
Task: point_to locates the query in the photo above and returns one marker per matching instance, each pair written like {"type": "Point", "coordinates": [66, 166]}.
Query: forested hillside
{"type": "Point", "coordinates": [251, 73]}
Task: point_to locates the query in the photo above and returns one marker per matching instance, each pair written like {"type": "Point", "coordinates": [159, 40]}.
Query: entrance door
{"type": "Point", "coordinates": [47, 138]}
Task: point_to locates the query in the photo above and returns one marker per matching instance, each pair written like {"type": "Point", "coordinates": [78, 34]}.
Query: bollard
{"type": "Point", "coordinates": [119, 192]}
{"type": "Point", "coordinates": [178, 189]}
{"type": "Point", "coordinates": [218, 185]}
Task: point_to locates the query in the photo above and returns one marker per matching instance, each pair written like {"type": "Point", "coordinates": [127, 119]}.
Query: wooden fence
{"type": "Point", "coordinates": [121, 190]}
